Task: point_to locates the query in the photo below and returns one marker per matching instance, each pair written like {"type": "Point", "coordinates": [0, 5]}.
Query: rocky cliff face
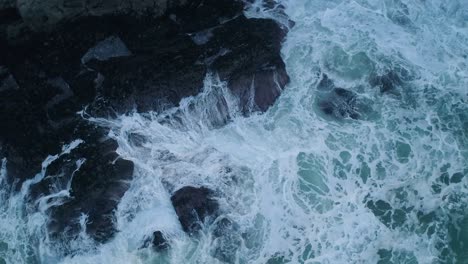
{"type": "Point", "coordinates": [113, 57]}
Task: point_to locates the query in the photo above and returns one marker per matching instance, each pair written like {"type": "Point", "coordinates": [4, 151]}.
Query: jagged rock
{"type": "Point", "coordinates": [113, 64]}
{"type": "Point", "coordinates": [337, 102]}
{"type": "Point", "coordinates": [193, 206]}
{"type": "Point", "coordinates": [111, 47]}
{"type": "Point", "coordinates": [391, 79]}
{"type": "Point", "coordinates": [159, 242]}
{"type": "Point", "coordinates": [252, 66]}
{"type": "Point", "coordinates": [341, 103]}
{"type": "Point", "coordinates": [96, 190]}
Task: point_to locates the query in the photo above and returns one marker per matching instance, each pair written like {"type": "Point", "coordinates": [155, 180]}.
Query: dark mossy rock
{"type": "Point", "coordinates": [194, 205]}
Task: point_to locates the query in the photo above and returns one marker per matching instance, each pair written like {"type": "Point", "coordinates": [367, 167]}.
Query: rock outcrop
{"type": "Point", "coordinates": [111, 63]}
{"type": "Point", "coordinates": [193, 206]}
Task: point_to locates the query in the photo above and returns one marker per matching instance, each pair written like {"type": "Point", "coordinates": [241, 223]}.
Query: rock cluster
{"type": "Point", "coordinates": [97, 56]}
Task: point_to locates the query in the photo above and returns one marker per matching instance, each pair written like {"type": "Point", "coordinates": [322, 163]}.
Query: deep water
{"type": "Point", "coordinates": [363, 158]}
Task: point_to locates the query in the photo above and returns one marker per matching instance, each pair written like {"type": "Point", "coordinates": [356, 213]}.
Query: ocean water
{"type": "Point", "coordinates": [385, 180]}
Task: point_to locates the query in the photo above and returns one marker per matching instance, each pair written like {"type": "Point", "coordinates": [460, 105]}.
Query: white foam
{"type": "Point", "coordinates": [296, 182]}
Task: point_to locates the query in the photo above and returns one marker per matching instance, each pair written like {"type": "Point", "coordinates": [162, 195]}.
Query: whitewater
{"type": "Point", "coordinates": [301, 186]}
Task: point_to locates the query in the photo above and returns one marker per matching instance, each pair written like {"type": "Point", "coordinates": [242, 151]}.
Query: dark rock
{"type": "Point", "coordinates": [9, 15]}
{"type": "Point", "coordinates": [146, 82]}
{"type": "Point", "coordinates": [112, 64]}
{"type": "Point", "coordinates": [340, 103]}
{"type": "Point", "coordinates": [194, 206]}
{"type": "Point", "coordinates": [387, 82]}
{"type": "Point", "coordinates": [325, 84]}
{"type": "Point", "coordinates": [108, 48]}
{"type": "Point", "coordinates": [96, 186]}
{"type": "Point", "coordinates": [337, 102]}
{"type": "Point", "coordinates": [252, 66]}
{"type": "Point", "coordinates": [159, 242]}
{"type": "Point", "coordinates": [198, 15]}
{"type": "Point", "coordinates": [45, 15]}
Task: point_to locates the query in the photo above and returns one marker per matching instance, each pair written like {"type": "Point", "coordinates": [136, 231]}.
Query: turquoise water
{"type": "Point", "coordinates": [387, 187]}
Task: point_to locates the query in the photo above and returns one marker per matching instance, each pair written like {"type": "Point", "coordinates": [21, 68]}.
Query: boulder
{"type": "Point", "coordinates": [193, 206]}
{"type": "Point", "coordinates": [159, 241]}
{"type": "Point", "coordinates": [252, 65]}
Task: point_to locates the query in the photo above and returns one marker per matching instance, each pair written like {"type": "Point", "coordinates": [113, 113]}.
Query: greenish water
{"type": "Point", "coordinates": [387, 186]}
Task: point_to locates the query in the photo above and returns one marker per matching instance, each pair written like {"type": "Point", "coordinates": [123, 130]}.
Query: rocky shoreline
{"type": "Point", "coordinates": [111, 60]}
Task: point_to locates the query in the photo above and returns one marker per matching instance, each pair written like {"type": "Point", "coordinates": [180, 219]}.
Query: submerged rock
{"type": "Point", "coordinates": [159, 242]}
{"type": "Point", "coordinates": [193, 206]}
{"type": "Point", "coordinates": [340, 103]}
{"type": "Point", "coordinates": [337, 102]}
{"type": "Point", "coordinates": [388, 82]}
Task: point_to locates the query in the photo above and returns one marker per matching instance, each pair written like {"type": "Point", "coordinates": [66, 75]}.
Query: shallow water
{"type": "Point", "coordinates": [301, 186]}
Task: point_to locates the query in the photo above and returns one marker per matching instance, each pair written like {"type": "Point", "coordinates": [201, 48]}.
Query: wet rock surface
{"type": "Point", "coordinates": [341, 103]}
{"type": "Point", "coordinates": [193, 206]}
{"type": "Point", "coordinates": [157, 242]}
{"type": "Point", "coordinates": [113, 64]}
{"type": "Point", "coordinates": [256, 73]}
